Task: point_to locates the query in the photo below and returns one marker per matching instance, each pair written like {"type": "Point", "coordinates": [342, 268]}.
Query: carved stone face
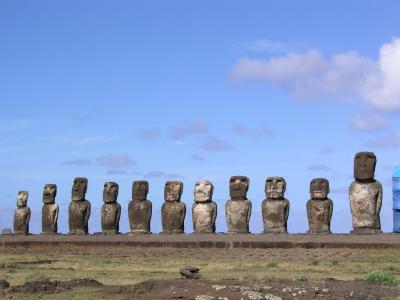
{"type": "Point", "coordinates": [110, 192]}
{"type": "Point", "coordinates": [173, 191]}
{"type": "Point", "coordinates": [319, 188]}
{"type": "Point", "coordinates": [275, 187]}
{"type": "Point", "coordinates": [22, 199]}
{"type": "Point", "coordinates": [364, 165]}
{"type": "Point", "coordinates": [79, 188]}
{"type": "Point", "coordinates": [140, 189]}
{"type": "Point", "coordinates": [49, 193]}
{"type": "Point", "coordinates": [238, 187]}
{"type": "Point", "coordinates": [203, 191]}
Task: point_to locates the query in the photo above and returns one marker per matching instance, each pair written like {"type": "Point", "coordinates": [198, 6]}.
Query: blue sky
{"type": "Point", "coordinates": [158, 90]}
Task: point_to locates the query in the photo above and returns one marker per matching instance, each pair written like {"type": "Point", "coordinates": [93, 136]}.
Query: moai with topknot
{"type": "Point", "coordinates": [79, 208]}
{"type": "Point", "coordinates": [49, 210]}
{"type": "Point", "coordinates": [275, 208]}
{"type": "Point", "coordinates": [319, 207]}
{"type": "Point", "coordinates": [365, 195]}
{"type": "Point", "coordinates": [140, 208]}
{"type": "Point", "coordinates": [238, 208]}
{"type": "Point", "coordinates": [204, 210]}
{"type": "Point", "coordinates": [173, 211]}
{"type": "Point", "coordinates": [22, 214]}
{"type": "Point", "coordinates": [111, 209]}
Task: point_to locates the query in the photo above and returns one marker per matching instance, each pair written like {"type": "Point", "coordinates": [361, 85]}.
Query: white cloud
{"type": "Point", "coordinates": [215, 144]}
{"type": "Point", "coordinates": [115, 161]}
{"type": "Point", "coordinates": [193, 127]}
{"type": "Point", "coordinates": [310, 75]}
{"type": "Point", "coordinates": [369, 122]}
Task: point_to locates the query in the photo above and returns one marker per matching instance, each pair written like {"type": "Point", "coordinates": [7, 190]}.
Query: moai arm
{"type": "Point", "coordinates": [88, 213]}
{"type": "Point", "coordinates": [118, 214]}
{"type": "Point", "coordinates": [183, 214]}
{"type": "Point", "coordinates": [351, 197]}
{"type": "Point", "coordinates": [379, 199]}
{"type": "Point", "coordinates": [330, 209]}
{"type": "Point", "coordinates": [214, 216]}
{"type": "Point", "coordinates": [28, 219]}
{"type": "Point", "coordinates": [287, 210]}
{"type": "Point", "coordinates": [249, 214]}
{"type": "Point", "coordinates": [163, 219]}
{"type": "Point", "coordinates": [193, 219]}
{"type": "Point", "coordinates": [263, 210]}
{"type": "Point", "coordinates": [149, 212]}
{"type": "Point", "coordinates": [55, 216]}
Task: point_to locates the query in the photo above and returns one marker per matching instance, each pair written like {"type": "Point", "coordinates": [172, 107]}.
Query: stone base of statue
{"type": "Point", "coordinates": [238, 232]}
{"type": "Point", "coordinates": [48, 233]}
{"type": "Point", "coordinates": [139, 232]}
{"type": "Point", "coordinates": [21, 233]}
{"type": "Point", "coordinates": [276, 230]}
{"type": "Point", "coordinates": [319, 231]}
{"type": "Point", "coordinates": [172, 231]}
{"type": "Point", "coordinates": [109, 232]}
{"type": "Point", "coordinates": [77, 232]}
{"type": "Point", "coordinates": [364, 230]}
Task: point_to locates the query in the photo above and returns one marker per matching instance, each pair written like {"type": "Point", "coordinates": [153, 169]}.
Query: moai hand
{"type": "Point", "coordinates": [204, 210]}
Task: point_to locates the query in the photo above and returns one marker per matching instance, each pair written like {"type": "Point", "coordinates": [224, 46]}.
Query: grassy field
{"type": "Point", "coordinates": [214, 265]}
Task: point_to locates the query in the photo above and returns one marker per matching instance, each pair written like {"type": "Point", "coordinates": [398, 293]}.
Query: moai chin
{"type": "Point", "coordinates": [204, 210]}
{"type": "Point", "coordinates": [319, 207]}
{"type": "Point", "coordinates": [22, 214]}
{"type": "Point", "coordinates": [238, 208]}
{"type": "Point", "coordinates": [140, 208]}
{"type": "Point", "coordinates": [111, 210]}
{"type": "Point", "coordinates": [365, 195]}
{"type": "Point", "coordinates": [50, 210]}
{"type": "Point", "coordinates": [79, 208]}
{"type": "Point", "coordinates": [275, 208]}
{"type": "Point", "coordinates": [173, 211]}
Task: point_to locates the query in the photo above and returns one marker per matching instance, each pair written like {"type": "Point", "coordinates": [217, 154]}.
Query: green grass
{"type": "Point", "coordinates": [384, 277]}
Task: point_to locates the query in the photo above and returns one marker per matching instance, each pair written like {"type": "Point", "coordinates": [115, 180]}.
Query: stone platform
{"type": "Point", "coordinates": [218, 241]}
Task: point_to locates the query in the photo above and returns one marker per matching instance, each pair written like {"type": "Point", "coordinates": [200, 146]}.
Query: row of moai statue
{"type": "Point", "coordinates": [365, 204]}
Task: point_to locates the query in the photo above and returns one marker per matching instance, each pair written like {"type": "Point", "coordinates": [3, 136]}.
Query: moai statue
{"type": "Point", "coordinates": [365, 195]}
{"type": "Point", "coordinates": [173, 211]}
{"type": "Point", "coordinates": [22, 214]}
{"type": "Point", "coordinates": [319, 207]}
{"type": "Point", "coordinates": [204, 210]}
{"type": "Point", "coordinates": [111, 210]}
{"type": "Point", "coordinates": [79, 208]}
{"type": "Point", "coordinates": [140, 209]}
{"type": "Point", "coordinates": [49, 210]}
{"type": "Point", "coordinates": [275, 209]}
{"type": "Point", "coordinates": [238, 208]}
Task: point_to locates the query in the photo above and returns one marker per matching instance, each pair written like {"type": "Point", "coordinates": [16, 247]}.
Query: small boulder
{"type": "Point", "coordinates": [190, 272]}
{"type": "Point", "coordinates": [4, 284]}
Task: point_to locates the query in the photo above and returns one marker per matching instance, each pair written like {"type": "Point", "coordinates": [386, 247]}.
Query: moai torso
{"type": "Point", "coordinates": [238, 208]}
{"type": "Point", "coordinates": [275, 208]}
{"type": "Point", "coordinates": [319, 207]}
{"type": "Point", "coordinates": [111, 210]}
{"type": "Point", "coordinates": [79, 208]}
{"type": "Point", "coordinates": [22, 214]}
{"type": "Point", "coordinates": [365, 195]}
{"type": "Point", "coordinates": [49, 210]}
{"type": "Point", "coordinates": [139, 208]}
{"type": "Point", "coordinates": [173, 211]}
{"type": "Point", "coordinates": [204, 210]}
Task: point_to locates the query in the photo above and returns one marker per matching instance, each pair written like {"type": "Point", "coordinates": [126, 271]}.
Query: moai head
{"type": "Point", "coordinates": [238, 187]}
{"type": "Point", "coordinates": [364, 165]}
{"type": "Point", "coordinates": [173, 191]}
{"type": "Point", "coordinates": [140, 189]}
{"type": "Point", "coordinates": [22, 199]}
{"type": "Point", "coordinates": [49, 193]}
{"type": "Point", "coordinates": [275, 187]}
{"type": "Point", "coordinates": [110, 192]}
{"type": "Point", "coordinates": [319, 188]}
{"type": "Point", "coordinates": [79, 188]}
{"type": "Point", "coordinates": [203, 191]}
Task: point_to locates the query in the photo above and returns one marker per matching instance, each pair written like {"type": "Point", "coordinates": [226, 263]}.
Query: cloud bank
{"type": "Point", "coordinates": [310, 75]}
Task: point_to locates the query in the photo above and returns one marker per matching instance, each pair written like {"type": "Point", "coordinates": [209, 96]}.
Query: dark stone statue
{"type": "Point", "coordinates": [275, 208]}
{"type": "Point", "coordinates": [49, 210]}
{"type": "Point", "coordinates": [238, 208]}
{"type": "Point", "coordinates": [204, 210]}
{"type": "Point", "coordinates": [22, 214]}
{"type": "Point", "coordinates": [365, 195]}
{"type": "Point", "coordinates": [319, 207]}
{"type": "Point", "coordinates": [140, 209]}
{"type": "Point", "coordinates": [173, 211]}
{"type": "Point", "coordinates": [79, 208]}
{"type": "Point", "coordinates": [111, 210]}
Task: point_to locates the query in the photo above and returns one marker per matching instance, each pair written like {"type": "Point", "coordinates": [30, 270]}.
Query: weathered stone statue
{"type": "Point", "coordinates": [275, 209]}
{"type": "Point", "coordinates": [319, 207]}
{"type": "Point", "coordinates": [111, 210]}
{"type": "Point", "coordinates": [22, 214]}
{"type": "Point", "coordinates": [173, 211]}
{"type": "Point", "coordinates": [79, 208]}
{"type": "Point", "coordinates": [49, 210]}
{"type": "Point", "coordinates": [238, 208]}
{"type": "Point", "coordinates": [204, 210]}
{"type": "Point", "coordinates": [140, 209]}
{"type": "Point", "coordinates": [365, 195]}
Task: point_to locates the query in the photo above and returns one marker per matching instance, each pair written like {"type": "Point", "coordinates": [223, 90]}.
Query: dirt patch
{"type": "Point", "coordinates": [249, 289]}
